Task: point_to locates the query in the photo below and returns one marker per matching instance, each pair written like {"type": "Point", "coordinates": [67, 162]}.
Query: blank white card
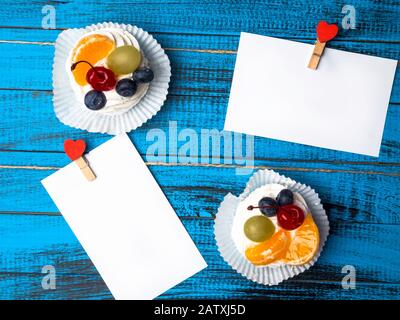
{"type": "Point", "coordinates": [125, 223]}
{"type": "Point", "coordinates": [342, 105]}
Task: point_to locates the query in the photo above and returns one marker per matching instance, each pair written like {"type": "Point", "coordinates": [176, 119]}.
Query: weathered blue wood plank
{"type": "Point", "coordinates": [204, 43]}
{"type": "Point", "coordinates": [30, 242]}
{"type": "Point", "coordinates": [194, 73]}
{"type": "Point", "coordinates": [209, 43]}
{"type": "Point", "coordinates": [376, 20]}
{"type": "Point", "coordinates": [21, 286]}
{"type": "Point", "coordinates": [198, 191]}
{"type": "Point", "coordinates": [28, 123]}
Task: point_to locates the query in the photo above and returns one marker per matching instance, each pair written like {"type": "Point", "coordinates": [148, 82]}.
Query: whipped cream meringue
{"type": "Point", "coordinates": [243, 214]}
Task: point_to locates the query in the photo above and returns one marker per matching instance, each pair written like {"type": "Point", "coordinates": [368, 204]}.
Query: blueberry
{"type": "Point", "coordinates": [268, 206]}
{"type": "Point", "coordinates": [126, 87]}
{"type": "Point", "coordinates": [95, 100]}
{"type": "Point", "coordinates": [143, 75]}
{"type": "Point", "coordinates": [285, 197]}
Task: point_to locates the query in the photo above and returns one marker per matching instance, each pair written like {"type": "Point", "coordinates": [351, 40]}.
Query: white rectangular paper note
{"type": "Point", "coordinates": [342, 105]}
{"type": "Point", "coordinates": [125, 223]}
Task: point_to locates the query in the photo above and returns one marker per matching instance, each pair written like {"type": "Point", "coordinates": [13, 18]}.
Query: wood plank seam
{"type": "Point", "coordinates": [270, 159]}
{"type": "Point", "coordinates": [292, 280]}
{"type": "Point", "coordinates": [184, 33]}
{"type": "Point", "coordinates": [230, 166]}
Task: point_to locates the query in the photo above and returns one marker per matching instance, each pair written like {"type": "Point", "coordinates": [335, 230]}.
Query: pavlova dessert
{"type": "Point", "coordinates": [273, 226]}
{"type": "Point", "coordinates": [107, 71]}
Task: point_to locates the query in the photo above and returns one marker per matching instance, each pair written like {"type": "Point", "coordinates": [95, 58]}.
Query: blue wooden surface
{"type": "Point", "coordinates": [361, 194]}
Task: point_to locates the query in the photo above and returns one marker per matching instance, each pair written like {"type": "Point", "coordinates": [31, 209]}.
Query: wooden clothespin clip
{"type": "Point", "coordinates": [75, 150]}
{"type": "Point", "coordinates": [325, 32]}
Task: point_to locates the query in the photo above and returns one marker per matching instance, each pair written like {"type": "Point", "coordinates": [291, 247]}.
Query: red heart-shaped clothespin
{"type": "Point", "coordinates": [326, 31]}
{"type": "Point", "coordinates": [74, 149]}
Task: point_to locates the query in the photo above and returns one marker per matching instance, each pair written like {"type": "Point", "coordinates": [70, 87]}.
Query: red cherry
{"type": "Point", "coordinates": [290, 217]}
{"type": "Point", "coordinates": [100, 78]}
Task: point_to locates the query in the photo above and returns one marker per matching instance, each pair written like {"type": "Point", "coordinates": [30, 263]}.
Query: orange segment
{"type": "Point", "coordinates": [92, 48]}
{"type": "Point", "coordinates": [304, 244]}
{"type": "Point", "coordinates": [270, 250]}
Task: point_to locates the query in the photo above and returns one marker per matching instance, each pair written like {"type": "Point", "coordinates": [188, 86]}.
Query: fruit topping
{"type": "Point", "coordinates": [304, 244]}
{"type": "Point", "coordinates": [100, 78]}
{"type": "Point", "coordinates": [258, 228]}
{"type": "Point", "coordinates": [285, 197]}
{"type": "Point", "coordinates": [270, 250]}
{"type": "Point", "coordinates": [123, 60]}
{"type": "Point", "coordinates": [143, 75]}
{"type": "Point", "coordinates": [95, 100]}
{"type": "Point", "coordinates": [126, 87]}
{"type": "Point", "coordinates": [268, 206]}
{"type": "Point", "coordinates": [290, 217]}
{"type": "Point", "coordinates": [92, 48]}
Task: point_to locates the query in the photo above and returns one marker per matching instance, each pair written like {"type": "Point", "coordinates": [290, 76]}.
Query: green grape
{"type": "Point", "coordinates": [259, 228]}
{"type": "Point", "coordinates": [124, 60]}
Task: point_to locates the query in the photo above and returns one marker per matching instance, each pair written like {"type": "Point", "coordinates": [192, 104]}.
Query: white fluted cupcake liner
{"type": "Point", "coordinates": [267, 275]}
{"type": "Point", "coordinates": [73, 113]}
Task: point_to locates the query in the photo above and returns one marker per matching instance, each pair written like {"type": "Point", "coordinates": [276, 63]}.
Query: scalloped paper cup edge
{"type": "Point", "coordinates": [71, 112]}
{"type": "Point", "coordinates": [268, 275]}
